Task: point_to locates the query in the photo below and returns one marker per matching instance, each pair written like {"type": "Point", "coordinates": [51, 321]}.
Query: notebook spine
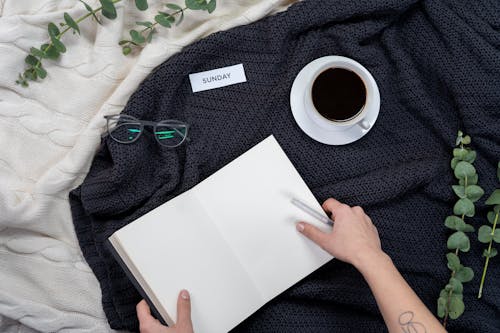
{"type": "Point", "coordinates": [135, 283]}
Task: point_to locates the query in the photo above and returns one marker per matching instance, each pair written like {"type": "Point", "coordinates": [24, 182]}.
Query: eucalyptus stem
{"type": "Point", "coordinates": [450, 302]}
{"type": "Point", "coordinates": [445, 320]}
{"type": "Point", "coordinates": [480, 294]}
{"type": "Point", "coordinates": [54, 47]}
{"type": "Point", "coordinates": [156, 23]}
{"type": "Point", "coordinates": [138, 38]}
{"type": "Point", "coordinates": [78, 20]}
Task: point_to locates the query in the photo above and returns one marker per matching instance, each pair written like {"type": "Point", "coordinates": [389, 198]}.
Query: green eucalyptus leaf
{"type": "Point", "coordinates": [494, 198]}
{"type": "Point", "coordinates": [126, 50]}
{"type": "Point", "coordinates": [141, 4]}
{"type": "Point", "coordinates": [496, 209]}
{"type": "Point", "coordinates": [456, 307]}
{"type": "Point", "coordinates": [441, 307]}
{"type": "Point", "coordinates": [456, 285]}
{"type": "Point", "coordinates": [459, 153]}
{"type": "Point", "coordinates": [464, 207]}
{"type": "Point", "coordinates": [470, 181]}
{"type": "Point", "coordinates": [41, 72]}
{"type": "Point", "coordinates": [59, 46]}
{"type": "Point", "coordinates": [53, 31]}
{"type": "Point", "coordinates": [149, 37]}
{"type": "Point", "coordinates": [453, 261]}
{"type": "Point", "coordinates": [37, 53]}
{"type": "Point", "coordinates": [468, 228]}
{"type": "Point", "coordinates": [454, 162]}
{"type": "Point", "coordinates": [459, 191]}
{"type": "Point", "coordinates": [169, 17]}
{"type": "Point", "coordinates": [464, 169]}
{"type": "Point", "coordinates": [71, 23]}
{"type": "Point", "coordinates": [443, 293]}
{"type": "Point", "coordinates": [196, 4]}
{"type": "Point", "coordinates": [466, 140]}
{"type": "Point", "coordinates": [163, 20]}
{"type": "Point", "coordinates": [491, 217]}
{"type": "Point", "coordinates": [464, 274]}
{"type": "Point", "coordinates": [22, 81]}
{"type": "Point", "coordinates": [181, 18]}
{"type": "Point", "coordinates": [31, 60]}
{"type": "Point", "coordinates": [173, 6]}
{"type": "Point", "coordinates": [146, 24]}
{"type": "Point", "coordinates": [496, 236]}
{"type": "Point", "coordinates": [490, 254]}
{"type": "Point", "coordinates": [211, 6]}
{"type": "Point", "coordinates": [470, 156]}
{"type": "Point", "coordinates": [458, 240]}
{"type": "Point", "coordinates": [90, 10]}
{"type": "Point", "coordinates": [473, 192]}
{"type": "Point", "coordinates": [30, 75]}
{"type": "Point", "coordinates": [460, 135]}
{"type": "Point", "coordinates": [454, 222]}
{"type": "Point", "coordinates": [484, 234]}
{"type": "Point", "coordinates": [137, 37]}
{"type": "Point", "coordinates": [50, 51]}
{"type": "Point", "coordinates": [108, 9]}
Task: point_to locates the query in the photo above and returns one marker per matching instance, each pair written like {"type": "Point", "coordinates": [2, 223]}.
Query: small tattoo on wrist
{"type": "Point", "coordinates": [408, 325]}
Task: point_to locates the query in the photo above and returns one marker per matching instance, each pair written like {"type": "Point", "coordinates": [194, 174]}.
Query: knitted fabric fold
{"type": "Point", "coordinates": [437, 65]}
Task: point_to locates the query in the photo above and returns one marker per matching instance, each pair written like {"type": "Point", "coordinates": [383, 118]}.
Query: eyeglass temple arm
{"type": "Point", "coordinates": [182, 134]}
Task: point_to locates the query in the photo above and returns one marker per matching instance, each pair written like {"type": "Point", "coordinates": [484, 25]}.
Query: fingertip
{"type": "Point", "coordinates": [184, 294]}
{"type": "Point", "coordinates": [143, 311]}
{"type": "Point", "coordinates": [184, 309]}
{"type": "Point", "coordinates": [142, 306]}
{"type": "Point", "coordinates": [330, 204]}
{"type": "Point", "coordinates": [311, 232]}
{"type": "Point", "coordinates": [300, 226]}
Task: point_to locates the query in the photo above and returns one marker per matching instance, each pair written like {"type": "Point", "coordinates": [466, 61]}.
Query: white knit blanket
{"type": "Point", "coordinates": [49, 133]}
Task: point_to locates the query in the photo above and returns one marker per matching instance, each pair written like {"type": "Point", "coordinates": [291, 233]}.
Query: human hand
{"type": "Point", "coordinates": [148, 324]}
{"type": "Point", "coordinates": [353, 239]}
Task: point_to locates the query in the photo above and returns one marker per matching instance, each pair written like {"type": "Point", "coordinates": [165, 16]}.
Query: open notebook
{"type": "Point", "coordinates": [230, 240]}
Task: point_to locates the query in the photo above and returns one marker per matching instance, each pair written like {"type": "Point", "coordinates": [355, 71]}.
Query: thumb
{"type": "Point", "coordinates": [184, 310]}
{"type": "Point", "coordinates": [313, 233]}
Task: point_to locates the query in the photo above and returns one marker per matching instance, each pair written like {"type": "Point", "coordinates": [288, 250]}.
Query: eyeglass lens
{"type": "Point", "coordinates": [169, 134]}
{"type": "Point", "coordinates": [125, 130]}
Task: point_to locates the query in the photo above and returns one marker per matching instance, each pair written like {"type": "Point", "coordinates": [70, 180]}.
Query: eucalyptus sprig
{"type": "Point", "coordinates": [450, 302]}
{"type": "Point", "coordinates": [141, 36]}
{"type": "Point", "coordinates": [53, 49]}
{"type": "Point", "coordinates": [487, 234]}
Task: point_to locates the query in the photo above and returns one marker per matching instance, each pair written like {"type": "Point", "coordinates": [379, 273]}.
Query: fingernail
{"type": "Point", "coordinates": [185, 294]}
{"type": "Point", "coordinates": [300, 226]}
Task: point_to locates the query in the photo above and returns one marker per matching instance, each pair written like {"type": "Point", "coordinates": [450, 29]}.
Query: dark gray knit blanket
{"type": "Point", "coordinates": [437, 64]}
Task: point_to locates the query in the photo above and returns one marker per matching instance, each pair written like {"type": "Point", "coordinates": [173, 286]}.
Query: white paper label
{"type": "Point", "coordinates": [217, 78]}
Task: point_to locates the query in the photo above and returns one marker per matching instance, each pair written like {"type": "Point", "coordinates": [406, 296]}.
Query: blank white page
{"type": "Point", "coordinates": [250, 202]}
{"type": "Point", "coordinates": [176, 246]}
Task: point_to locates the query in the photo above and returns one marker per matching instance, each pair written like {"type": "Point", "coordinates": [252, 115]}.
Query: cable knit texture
{"type": "Point", "coordinates": [49, 134]}
{"type": "Point", "coordinates": [437, 64]}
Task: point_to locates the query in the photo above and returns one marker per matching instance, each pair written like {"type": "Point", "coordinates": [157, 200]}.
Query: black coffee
{"type": "Point", "coordinates": [338, 94]}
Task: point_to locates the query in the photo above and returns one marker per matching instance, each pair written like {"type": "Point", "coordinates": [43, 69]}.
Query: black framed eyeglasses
{"type": "Point", "coordinates": [126, 129]}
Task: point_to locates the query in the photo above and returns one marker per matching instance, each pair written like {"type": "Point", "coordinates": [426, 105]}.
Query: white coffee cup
{"type": "Point", "coordinates": [372, 102]}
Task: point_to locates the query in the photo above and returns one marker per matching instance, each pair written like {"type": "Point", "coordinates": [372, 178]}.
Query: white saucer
{"type": "Point", "coordinates": [335, 136]}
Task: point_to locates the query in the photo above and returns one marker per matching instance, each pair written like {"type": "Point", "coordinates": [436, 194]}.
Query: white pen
{"type": "Point", "coordinates": [311, 211]}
